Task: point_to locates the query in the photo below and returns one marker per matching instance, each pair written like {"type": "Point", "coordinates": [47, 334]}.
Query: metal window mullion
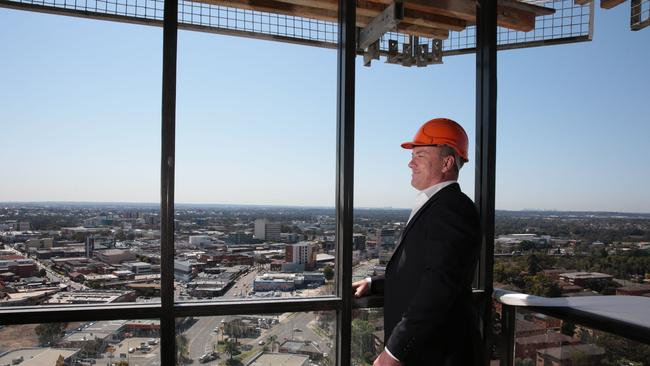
{"type": "Point", "coordinates": [344, 176]}
{"type": "Point", "coordinates": [486, 105]}
{"type": "Point", "coordinates": [56, 314]}
{"type": "Point", "coordinates": [257, 307]}
{"type": "Point", "coordinates": [168, 134]}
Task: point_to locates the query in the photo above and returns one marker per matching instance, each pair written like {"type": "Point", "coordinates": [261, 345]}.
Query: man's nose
{"type": "Point", "coordinates": [411, 164]}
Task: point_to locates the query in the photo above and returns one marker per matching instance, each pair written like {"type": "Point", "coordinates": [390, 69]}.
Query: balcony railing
{"type": "Point", "coordinates": [589, 330]}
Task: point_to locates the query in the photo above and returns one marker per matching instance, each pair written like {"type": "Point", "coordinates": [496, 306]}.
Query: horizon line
{"type": "Point", "coordinates": [290, 206]}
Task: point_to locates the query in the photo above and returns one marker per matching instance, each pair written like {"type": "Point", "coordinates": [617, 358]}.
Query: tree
{"type": "Point", "coordinates": [568, 328]}
{"type": "Point", "coordinates": [60, 361]}
{"type": "Point", "coordinates": [533, 264]}
{"type": "Point", "coordinates": [49, 334]}
{"type": "Point", "coordinates": [542, 285]}
{"type": "Point", "coordinates": [231, 348]}
{"type": "Point", "coordinates": [272, 340]}
{"type": "Point", "coordinates": [363, 345]}
{"type": "Point", "coordinates": [328, 272]}
{"type": "Point", "coordinates": [182, 349]}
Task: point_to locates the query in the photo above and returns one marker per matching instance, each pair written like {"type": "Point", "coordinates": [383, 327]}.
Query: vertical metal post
{"type": "Point", "coordinates": [344, 176]}
{"type": "Point", "coordinates": [168, 135]}
{"type": "Point", "coordinates": [508, 323]}
{"type": "Point", "coordinates": [486, 106]}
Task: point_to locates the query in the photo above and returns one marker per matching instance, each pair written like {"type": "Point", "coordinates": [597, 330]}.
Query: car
{"type": "Point", "coordinates": [207, 357]}
{"type": "Point", "coordinates": [297, 330]}
{"type": "Point", "coordinates": [261, 343]}
{"type": "Point", "coordinates": [131, 349]}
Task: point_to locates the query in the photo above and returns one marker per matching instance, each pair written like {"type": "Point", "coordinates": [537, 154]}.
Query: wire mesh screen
{"type": "Point", "coordinates": [262, 23]}
{"type": "Point", "coordinates": [569, 23]}
{"type": "Point", "coordinates": [136, 9]}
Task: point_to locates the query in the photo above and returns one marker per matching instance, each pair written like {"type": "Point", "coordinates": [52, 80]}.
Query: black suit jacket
{"type": "Point", "coordinates": [429, 317]}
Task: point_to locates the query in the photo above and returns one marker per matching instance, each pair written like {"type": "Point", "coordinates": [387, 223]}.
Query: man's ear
{"type": "Point", "coordinates": [448, 163]}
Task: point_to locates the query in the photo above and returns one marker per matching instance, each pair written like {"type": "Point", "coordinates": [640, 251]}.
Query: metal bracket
{"type": "Point", "coordinates": [414, 53]}
{"type": "Point", "coordinates": [384, 22]}
{"type": "Point", "coordinates": [372, 53]}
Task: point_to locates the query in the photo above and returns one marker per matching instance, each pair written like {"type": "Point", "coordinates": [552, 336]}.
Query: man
{"type": "Point", "coordinates": [428, 314]}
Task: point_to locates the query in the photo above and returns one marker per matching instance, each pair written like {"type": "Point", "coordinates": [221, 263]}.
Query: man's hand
{"type": "Point", "coordinates": [385, 360]}
{"type": "Point", "coordinates": [361, 288]}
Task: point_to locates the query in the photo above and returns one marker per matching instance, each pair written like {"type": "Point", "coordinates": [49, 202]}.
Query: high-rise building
{"type": "Point", "coordinates": [386, 238]}
{"type": "Point", "coordinates": [302, 254]}
{"type": "Point", "coordinates": [267, 230]}
{"type": "Point", "coordinates": [90, 246]}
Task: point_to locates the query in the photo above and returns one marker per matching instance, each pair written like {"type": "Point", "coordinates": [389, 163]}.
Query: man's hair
{"type": "Point", "coordinates": [447, 151]}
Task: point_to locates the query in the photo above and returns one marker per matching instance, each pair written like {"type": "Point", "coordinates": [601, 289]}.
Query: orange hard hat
{"type": "Point", "coordinates": [441, 131]}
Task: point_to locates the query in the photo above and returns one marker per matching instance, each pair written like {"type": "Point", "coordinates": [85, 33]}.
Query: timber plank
{"type": "Point", "coordinates": [280, 7]}
{"type": "Point", "coordinates": [511, 14]}
{"type": "Point", "coordinates": [608, 4]}
{"type": "Point", "coordinates": [368, 9]}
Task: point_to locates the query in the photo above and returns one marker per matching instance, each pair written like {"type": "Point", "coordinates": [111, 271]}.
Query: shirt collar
{"type": "Point", "coordinates": [428, 192]}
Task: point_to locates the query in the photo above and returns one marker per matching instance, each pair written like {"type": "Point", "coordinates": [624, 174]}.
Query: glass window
{"type": "Point", "coordinates": [79, 218]}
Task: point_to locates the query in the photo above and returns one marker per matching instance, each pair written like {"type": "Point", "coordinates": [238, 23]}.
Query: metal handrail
{"type": "Point", "coordinates": [592, 317]}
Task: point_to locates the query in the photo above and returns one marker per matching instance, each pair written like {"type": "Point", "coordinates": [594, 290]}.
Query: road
{"type": "Point", "coordinates": [201, 338]}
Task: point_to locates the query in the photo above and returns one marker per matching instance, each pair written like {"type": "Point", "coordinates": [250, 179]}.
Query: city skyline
{"type": "Point", "coordinates": [81, 119]}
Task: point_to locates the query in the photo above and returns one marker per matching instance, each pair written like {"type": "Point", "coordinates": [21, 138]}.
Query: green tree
{"type": "Point", "coordinates": [542, 285]}
{"type": "Point", "coordinates": [231, 348]}
{"type": "Point", "coordinates": [49, 334]}
{"type": "Point", "coordinates": [533, 264]}
{"type": "Point", "coordinates": [182, 349]}
{"type": "Point", "coordinates": [272, 341]}
{"type": "Point", "coordinates": [363, 345]}
{"type": "Point", "coordinates": [328, 272]}
{"type": "Point", "coordinates": [568, 328]}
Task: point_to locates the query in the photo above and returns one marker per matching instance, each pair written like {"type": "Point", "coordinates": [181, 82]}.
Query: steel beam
{"type": "Point", "coordinates": [384, 22]}
{"type": "Point", "coordinates": [344, 176]}
{"type": "Point", "coordinates": [167, 166]}
{"type": "Point", "coordinates": [485, 155]}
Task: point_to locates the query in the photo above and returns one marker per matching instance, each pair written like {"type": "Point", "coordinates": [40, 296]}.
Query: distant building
{"type": "Point", "coordinates": [90, 246]}
{"type": "Point", "coordinates": [138, 268]}
{"type": "Point", "coordinates": [92, 297]}
{"type": "Point", "coordinates": [44, 243]}
{"type": "Point", "coordinates": [267, 230]}
{"type": "Point", "coordinates": [115, 256]}
{"type": "Point", "coordinates": [637, 290]}
{"type": "Point", "coordinates": [573, 355]}
{"type": "Point", "coordinates": [18, 265]}
{"type": "Point", "coordinates": [274, 282]}
{"type": "Point", "coordinates": [358, 241]}
{"type": "Point", "coordinates": [584, 278]}
{"type": "Point", "coordinates": [527, 347]}
{"type": "Point", "coordinates": [36, 356]}
{"type": "Point", "coordinates": [200, 240]}
{"type": "Point", "coordinates": [301, 256]}
{"type": "Point", "coordinates": [240, 237]}
{"type": "Point", "coordinates": [285, 359]}
{"type": "Point", "coordinates": [306, 348]}
{"type": "Point", "coordinates": [289, 237]}
{"type": "Point", "coordinates": [185, 270]}
{"type": "Point", "coordinates": [386, 238]}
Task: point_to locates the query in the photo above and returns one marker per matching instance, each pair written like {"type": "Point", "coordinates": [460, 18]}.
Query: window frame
{"type": "Point", "coordinates": [342, 302]}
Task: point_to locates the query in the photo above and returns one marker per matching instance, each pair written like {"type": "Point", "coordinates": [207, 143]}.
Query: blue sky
{"type": "Point", "coordinates": [80, 118]}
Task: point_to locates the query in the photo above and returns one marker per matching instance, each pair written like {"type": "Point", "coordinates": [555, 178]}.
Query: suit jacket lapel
{"type": "Point", "coordinates": [414, 219]}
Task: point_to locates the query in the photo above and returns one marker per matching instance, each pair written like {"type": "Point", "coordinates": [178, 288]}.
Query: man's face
{"type": "Point", "coordinates": [426, 166]}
